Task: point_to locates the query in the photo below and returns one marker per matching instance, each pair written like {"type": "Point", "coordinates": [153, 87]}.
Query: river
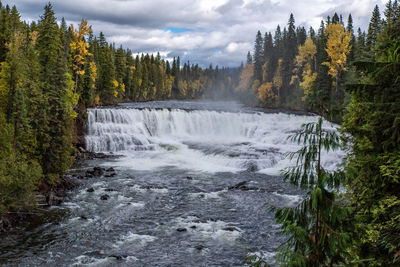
{"type": "Point", "coordinates": [172, 201]}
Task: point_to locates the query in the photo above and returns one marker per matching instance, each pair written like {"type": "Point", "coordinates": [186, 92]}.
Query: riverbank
{"type": "Point", "coordinates": [47, 196]}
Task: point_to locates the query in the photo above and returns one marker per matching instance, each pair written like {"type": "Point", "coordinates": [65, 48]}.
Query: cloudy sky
{"type": "Point", "coordinates": [201, 31]}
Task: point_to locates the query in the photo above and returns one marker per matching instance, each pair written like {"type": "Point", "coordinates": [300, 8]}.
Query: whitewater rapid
{"type": "Point", "coordinates": [172, 187]}
{"type": "Point", "coordinates": [200, 140]}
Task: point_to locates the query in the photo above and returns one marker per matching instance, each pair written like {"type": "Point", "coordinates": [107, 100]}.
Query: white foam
{"type": "Point", "coordinates": [211, 195]}
{"type": "Point", "coordinates": [84, 260]}
{"type": "Point", "coordinates": [199, 140]}
{"type": "Point", "coordinates": [210, 230]}
{"type": "Point", "coordinates": [132, 238]}
{"type": "Point", "coordinates": [139, 189]}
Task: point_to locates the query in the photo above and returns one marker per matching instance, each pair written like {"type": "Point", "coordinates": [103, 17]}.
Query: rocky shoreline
{"type": "Point", "coordinates": [54, 195]}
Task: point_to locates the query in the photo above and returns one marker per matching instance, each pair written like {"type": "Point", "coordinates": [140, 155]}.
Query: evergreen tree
{"type": "Point", "coordinates": [249, 58]}
{"type": "Point", "coordinates": [350, 30]}
{"type": "Point", "coordinates": [374, 28]}
{"type": "Point", "coordinates": [258, 57]}
{"type": "Point", "coordinates": [290, 52]}
{"type": "Point", "coordinates": [317, 226]}
{"type": "Point", "coordinates": [54, 136]}
{"type": "Point", "coordinates": [372, 125]}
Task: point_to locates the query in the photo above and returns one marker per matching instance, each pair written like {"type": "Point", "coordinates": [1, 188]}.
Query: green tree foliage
{"type": "Point", "coordinates": [50, 73]}
{"type": "Point", "coordinates": [316, 228]}
{"type": "Point", "coordinates": [55, 135]}
{"type": "Point", "coordinates": [374, 28]}
{"type": "Point", "coordinates": [258, 57]}
{"type": "Point", "coordinates": [373, 125]}
{"type": "Point", "coordinates": [324, 93]}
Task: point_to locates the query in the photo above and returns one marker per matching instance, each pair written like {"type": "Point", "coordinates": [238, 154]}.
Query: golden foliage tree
{"type": "Point", "coordinates": [337, 47]}
{"type": "Point", "coordinates": [79, 48]}
{"type": "Point", "coordinates": [266, 93]}
{"type": "Point", "coordinates": [304, 62]}
{"type": "Point", "coordinates": [246, 77]}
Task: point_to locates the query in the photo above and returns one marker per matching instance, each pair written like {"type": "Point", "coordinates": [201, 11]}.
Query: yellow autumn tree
{"type": "Point", "coordinates": [304, 61]}
{"type": "Point", "coordinates": [337, 47]}
{"type": "Point", "coordinates": [79, 48]}
{"type": "Point", "coordinates": [246, 77]}
{"type": "Point", "coordinates": [266, 93]}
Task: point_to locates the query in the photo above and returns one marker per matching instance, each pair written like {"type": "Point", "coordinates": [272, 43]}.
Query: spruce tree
{"type": "Point", "coordinates": [249, 58]}
{"type": "Point", "coordinates": [54, 136]}
{"type": "Point", "coordinates": [374, 28]}
{"type": "Point", "coordinates": [316, 228]}
{"type": "Point", "coordinates": [258, 57]}
{"type": "Point", "coordinates": [289, 54]}
{"type": "Point", "coordinates": [372, 125]}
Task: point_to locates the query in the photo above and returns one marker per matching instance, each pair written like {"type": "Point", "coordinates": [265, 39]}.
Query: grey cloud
{"type": "Point", "coordinates": [222, 31]}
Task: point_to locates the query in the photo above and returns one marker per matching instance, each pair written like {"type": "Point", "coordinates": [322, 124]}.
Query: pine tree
{"type": "Point", "coordinates": [316, 228]}
{"type": "Point", "coordinates": [258, 57]}
{"type": "Point", "coordinates": [372, 125]}
{"type": "Point", "coordinates": [374, 28]}
{"type": "Point", "coordinates": [54, 136]}
{"type": "Point", "coordinates": [249, 58]}
{"type": "Point", "coordinates": [350, 30]}
{"type": "Point", "coordinates": [290, 52]}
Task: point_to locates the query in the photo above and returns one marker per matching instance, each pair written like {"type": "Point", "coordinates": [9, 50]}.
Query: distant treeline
{"type": "Point", "coordinates": [302, 68]}
{"type": "Point", "coordinates": [50, 73]}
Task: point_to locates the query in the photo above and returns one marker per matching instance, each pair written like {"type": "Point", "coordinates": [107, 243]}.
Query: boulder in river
{"type": "Point", "coordinates": [90, 190]}
{"type": "Point", "coordinates": [105, 197]}
{"type": "Point", "coordinates": [199, 247]}
{"type": "Point", "coordinates": [181, 229]}
{"type": "Point", "coordinates": [239, 186]}
{"type": "Point", "coordinates": [108, 175]}
{"type": "Point", "coordinates": [97, 171]}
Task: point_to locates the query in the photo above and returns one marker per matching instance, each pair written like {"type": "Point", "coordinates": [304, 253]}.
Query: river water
{"type": "Point", "coordinates": [169, 203]}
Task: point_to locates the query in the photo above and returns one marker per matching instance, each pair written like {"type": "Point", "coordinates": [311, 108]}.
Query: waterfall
{"type": "Point", "coordinates": [236, 140]}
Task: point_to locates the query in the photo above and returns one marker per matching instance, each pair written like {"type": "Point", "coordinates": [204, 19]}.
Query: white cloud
{"type": "Point", "coordinates": [221, 31]}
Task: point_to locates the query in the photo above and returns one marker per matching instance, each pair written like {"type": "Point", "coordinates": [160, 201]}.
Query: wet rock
{"type": "Point", "coordinates": [97, 171]}
{"type": "Point", "coordinates": [252, 168]}
{"type": "Point", "coordinates": [239, 186]}
{"type": "Point", "coordinates": [82, 150]}
{"type": "Point", "coordinates": [189, 177]}
{"type": "Point", "coordinates": [84, 217]}
{"type": "Point", "coordinates": [199, 247]}
{"type": "Point", "coordinates": [181, 229]}
{"type": "Point", "coordinates": [230, 229]}
{"type": "Point", "coordinates": [110, 175]}
{"type": "Point", "coordinates": [193, 227]}
{"type": "Point", "coordinates": [117, 257]}
{"type": "Point", "coordinates": [105, 197]}
{"type": "Point", "coordinates": [111, 169]}
{"type": "Point", "coordinates": [90, 190]}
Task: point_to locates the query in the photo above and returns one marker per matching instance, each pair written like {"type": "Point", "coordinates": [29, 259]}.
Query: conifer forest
{"type": "Point", "coordinates": [111, 156]}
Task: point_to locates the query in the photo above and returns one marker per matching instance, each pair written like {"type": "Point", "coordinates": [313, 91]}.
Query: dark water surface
{"type": "Point", "coordinates": [177, 161]}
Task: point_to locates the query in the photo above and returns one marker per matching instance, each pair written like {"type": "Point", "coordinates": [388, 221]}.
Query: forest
{"type": "Point", "coordinates": [308, 69]}
{"type": "Point", "coordinates": [52, 72]}
{"type": "Point", "coordinates": [351, 217]}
